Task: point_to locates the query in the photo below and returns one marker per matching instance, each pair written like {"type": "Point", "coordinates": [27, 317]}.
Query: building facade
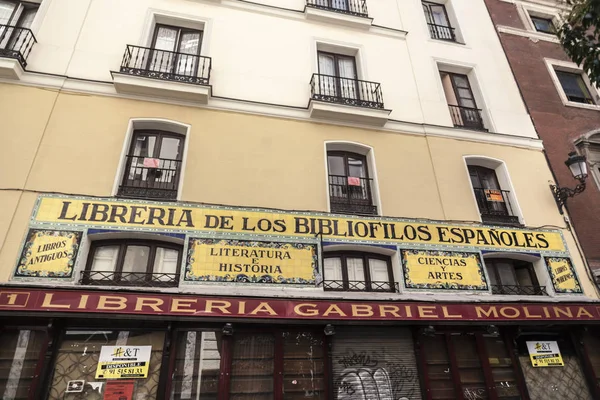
{"type": "Point", "coordinates": [562, 103]}
{"type": "Point", "coordinates": [223, 199]}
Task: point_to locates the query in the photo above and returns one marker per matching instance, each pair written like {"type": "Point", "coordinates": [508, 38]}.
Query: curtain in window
{"type": "Point", "coordinates": [165, 262]}
{"type": "Point", "coordinates": [340, 4]}
{"type": "Point", "coordinates": [189, 46]}
{"type": "Point", "coordinates": [356, 273]}
{"type": "Point", "coordinates": [135, 264]}
{"type": "Point", "coordinates": [252, 367]}
{"type": "Point", "coordinates": [197, 366]}
{"type": "Point", "coordinates": [333, 269]}
{"type": "Point", "coordinates": [105, 259]}
{"type": "Point", "coordinates": [165, 44]}
{"type": "Point", "coordinates": [327, 81]}
{"type": "Point", "coordinates": [347, 78]}
{"type": "Point", "coordinates": [6, 11]}
{"type": "Point", "coordinates": [143, 147]}
{"type": "Point", "coordinates": [379, 274]}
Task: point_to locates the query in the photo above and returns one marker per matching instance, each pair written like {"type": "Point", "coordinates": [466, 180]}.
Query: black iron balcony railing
{"type": "Point", "coordinates": [142, 279]}
{"type": "Point", "coordinates": [347, 91]}
{"type": "Point", "coordinates": [520, 290]}
{"type": "Point", "coordinates": [495, 206]}
{"type": "Point", "coordinates": [442, 32]}
{"type": "Point", "coordinates": [353, 7]}
{"type": "Point", "coordinates": [360, 286]}
{"type": "Point", "coordinates": [16, 42]}
{"type": "Point", "coordinates": [467, 117]}
{"type": "Point", "coordinates": [166, 65]}
{"type": "Point", "coordinates": [154, 178]}
{"type": "Point", "coordinates": [351, 195]}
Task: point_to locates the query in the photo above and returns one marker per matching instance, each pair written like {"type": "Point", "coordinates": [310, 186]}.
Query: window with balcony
{"type": "Point", "coordinates": [350, 187]}
{"type": "Point", "coordinates": [174, 55]}
{"type": "Point", "coordinates": [133, 263]}
{"type": "Point", "coordinates": [355, 271]}
{"type": "Point", "coordinates": [461, 101]}
{"type": "Point", "coordinates": [494, 204]}
{"type": "Point", "coordinates": [574, 87]}
{"type": "Point", "coordinates": [513, 277]}
{"type": "Point", "coordinates": [353, 7]}
{"type": "Point", "coordinates": [153, 165]}
{"type": "Point", "coordinates": [337, 82]}
{"type": "Point", "coordinates": [16, 38]}
{"type": "Point", "coordinates": [438, 21]}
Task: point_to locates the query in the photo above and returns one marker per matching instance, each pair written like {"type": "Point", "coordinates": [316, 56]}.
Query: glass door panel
{"type": "Point", "coordinates": [437, 360]}
{"type": "Point", "coordinates": [252, 367]}
{"type": "Point", "coordinates": [469, 367]}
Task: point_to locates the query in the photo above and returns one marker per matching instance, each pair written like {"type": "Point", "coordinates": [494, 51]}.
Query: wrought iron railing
{"type": "Point", "coordinates": [495, 206]}
{"type": "Point", "coordinates": [520, 290]}
{"type": "Point", "coordinates": [347, 91]}
{"type": "Point", "coordinates": [155, 178]}
{"type": "Point", "coordinates": [166, 65]}
{"type": "Point", "coordinates": [354, 7]}
{"type": "Point", "coordinates": [361, 286]}
{"type": "Point", "coordinates": [467, 117]}
{"type": "Point", "coordinates": [16, 42]}
{"type": "Point", "coordinates": [442, 32]}
{"type": "Point", "coordinates": [351, 195]}
{"type": "Point", "coordinates": [144, 279]}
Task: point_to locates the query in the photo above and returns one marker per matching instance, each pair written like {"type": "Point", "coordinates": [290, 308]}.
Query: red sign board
{"type": "Point", "coordinates": [76, 301]}
{"type": "Point", "coordinates": [119, 390]}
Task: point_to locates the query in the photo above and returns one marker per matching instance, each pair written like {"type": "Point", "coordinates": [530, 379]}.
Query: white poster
{"type": "Point", "coordinates": [118, 362]}
{"type": "Point", "coordinates": [545, 354]}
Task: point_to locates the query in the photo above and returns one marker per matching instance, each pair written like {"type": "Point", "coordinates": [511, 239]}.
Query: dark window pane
{"type": "Point", "coordinates": [469, 367]}
{"type": "Point", "coordinates": [303, 366]}
{"type": "Point", "coordinates": [503, 371]}
{"type": "Point", "coordinates": [574, 87]}
{"type": "Point", "coordinates": [438, 367]}
{"type": "Point", "coordinates": [19, 356]}
{"type": "Point", "coordinates": [543, 24]}
{"type": "Point", "coordinates": [252, 367]}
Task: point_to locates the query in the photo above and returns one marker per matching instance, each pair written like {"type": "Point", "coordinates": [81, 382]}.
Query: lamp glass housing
{"type": "Point", "coordinates": [577, 165]}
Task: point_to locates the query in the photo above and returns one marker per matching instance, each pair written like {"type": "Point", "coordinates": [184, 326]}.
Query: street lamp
{"type": "Point", "coordinates": [578, 169]}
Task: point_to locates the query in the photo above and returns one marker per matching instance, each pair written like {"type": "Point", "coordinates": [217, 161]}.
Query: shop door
{"type": "Point", "coordinates": [554, 383]}
{"type": "Point", "coordinates": [374, 364]}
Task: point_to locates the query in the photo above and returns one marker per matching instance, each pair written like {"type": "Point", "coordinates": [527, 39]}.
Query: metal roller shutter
{"type": "Point", "coordinates": [374, 363]}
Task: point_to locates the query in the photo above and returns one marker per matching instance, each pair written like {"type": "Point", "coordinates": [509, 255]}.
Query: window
{"type": "Point", "coordinates": [16, 18]}
{"type": "Point", "coordinates": [438, 21]}
{"type": "Point", "coordinates": [461, 101]}
{"type": "Point", "coordinates": [508, 276]}
{"type": "Point", "coordinates": [493, 202]}
{"type": "Point", "coordinates": [544, 25]}
{"type": "Point", "coordinates": [574, 87]}
{"type": "Point", "coordinates": [350, 188]}
{"type": "Point", "coordinates": [153, 165]}
{"type": "Point", "coordinates": [355, 271]}
{"type": "Point", "coordinates": [133, 263]}
{"type": "Point", "coordinates": [338, 75]}
{"type": "Point", "coordinates": [17, 13]}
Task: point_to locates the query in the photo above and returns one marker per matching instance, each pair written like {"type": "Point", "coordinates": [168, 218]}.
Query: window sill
{"type": "Point", "coordinates": [10, 68]}
{"type": "Point", "coordinates": [594, 107]}
{"type": "Point", "coordinates": [533, 35]}
{"type": "Point", "coordinates": [449, 42]}
{"type": "Point", "coordinates": [341, 18]}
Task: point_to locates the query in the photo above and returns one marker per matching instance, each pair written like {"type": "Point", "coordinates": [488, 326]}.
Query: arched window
{"type": "Point", "coordinates": [509, 276]}
{"type": "Point", "coordinates": [350, 186]}
{"type": "Point", "coordinates": [357, 271]}
{"type": "Point", "coordinates": [133, 262]}
{"type": "Point", "coordinates": [153, 165]}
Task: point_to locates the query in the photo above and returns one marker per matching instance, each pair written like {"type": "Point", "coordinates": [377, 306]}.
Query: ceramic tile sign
{"type": "Point", "coordinates": [545, 354]}
{"type": "Point", "coordinates": [445, 270]}
{"type": "Point", "coordinates": [118, 362]}
{"type": "Point", "coordinates": [216, 260]}
{"type": "Point", "coordinates": [48, 254]}
{"type": "Point", "coordinates": [563, 275]}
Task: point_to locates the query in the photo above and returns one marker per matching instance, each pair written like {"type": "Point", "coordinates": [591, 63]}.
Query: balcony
{"type": "Point", "coordinates": [138, 279]}
{"type": "Point", "coordinates": [161, 73]}
{"type": "Point", "coordinates": [495, 206]}
{"type": "Point", "coordinates": [347, 99]}
{"type": "Point", "coordinates": [519, 290]}
{"type": "Point", "coordinates": [441, 32]}
{"type": "Point", "coordinates": [466, 117]}
{"type": "Point", "coordinates": [346, 12]}
{"type": "Point", "coordinates": [360, 286]}
{"type": "Point", "coordinates": [350, 195]}
{"type": "Point", "coordinates": [15, 45]}
{"type": "Point", "coordinates": [150, 178]}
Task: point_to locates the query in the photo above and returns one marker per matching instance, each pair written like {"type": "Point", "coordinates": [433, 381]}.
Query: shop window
{"type": "Point", "coordinates": [355, 271]}
{"type": "Point", "coordinates": [197, 365]}
{"type": "Point", "coordinates": [265, 365]}
{"type": "Point", "coordinates": [494, 203]}
{"type": "Point", "coordinates": [508, 276]}
{"type": "Point", "coordinates": [133, 263]}
{"type": "Point", "coordinates": [78, 355]}
{"type": "Point", "coordinates": [153, 165]}
{"type": "Point", "coordinates": [350, 186]}
{"type": "Point", "coordinates": [19, 355]}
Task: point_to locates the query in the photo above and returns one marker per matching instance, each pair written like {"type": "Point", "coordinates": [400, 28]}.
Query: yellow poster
{"type": "Point", "coordinates": [563, 276]}
{"type": "Point", "coordinates": [118, 362]}
{"type": "Point", "coordinates": [49, 254]}
{"type": "Point", "coordinates": [199, 218]}
{"type": "Point", "coordinates": [545, 354]}
{"type": "Point", "coordinates": [443, 270]}
{"type": "Point", "coordinates": [219, 260]}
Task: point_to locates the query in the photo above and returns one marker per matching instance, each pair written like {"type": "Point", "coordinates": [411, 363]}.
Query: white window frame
{"type": "Point", "coordinates": [158, 124]}
{"type": "Point", "coordinates": [357, 148]}
{"type": "Point", "coordinates": [504, 180]}
{"type": "Point", "coordinates": [552, 65]}
{"type": "Point", "coordinates": [525, 11]}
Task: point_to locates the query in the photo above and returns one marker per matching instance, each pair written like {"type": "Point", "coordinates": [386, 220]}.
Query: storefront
{"type": "Point", "coordinates": [58, 344]}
